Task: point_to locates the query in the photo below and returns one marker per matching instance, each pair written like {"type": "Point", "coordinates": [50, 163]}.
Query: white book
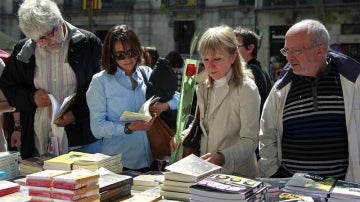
{"type": "Point", "coordinates": [143, 114]}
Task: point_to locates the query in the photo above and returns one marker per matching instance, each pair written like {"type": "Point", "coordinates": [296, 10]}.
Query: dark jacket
{"type": "Point", "coordinates": [262, 80]}
{"type": "Point", "coordinates": [17, 83]}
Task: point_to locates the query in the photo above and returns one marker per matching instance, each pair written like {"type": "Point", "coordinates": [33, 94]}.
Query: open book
{"type": "Point", "coordinates": [143, 114]}
{"type": "Point", "coordinates": [59, 110]}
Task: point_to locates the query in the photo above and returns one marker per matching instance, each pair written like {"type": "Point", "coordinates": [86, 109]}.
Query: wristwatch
{"type": "Point", "coordinates": [126, 129]}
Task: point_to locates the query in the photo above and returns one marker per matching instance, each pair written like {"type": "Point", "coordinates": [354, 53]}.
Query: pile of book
{"type": "Point", "coordinates": [113, 186]}
{"type": "Point", "coordinates": [221, 187]}
{"type": "Point", "coordinates": [52, 185]}
{"type": "Point", "coordinates": [306, 184]}
{"type": "Point", "coordinates": [98, 160]}
{"type": "Point", "coordinates": [9, 164]}
{"type": "Point", "coordinates": [184, 173]}
{"type": "Point", "coordinates": [144, 182]}
{"type": "Point", "coordinates": [33, 164]}
{"type": "Point", "coordinates": [74, 160]}
{"type": "Point", "coordinates": [345, 191]}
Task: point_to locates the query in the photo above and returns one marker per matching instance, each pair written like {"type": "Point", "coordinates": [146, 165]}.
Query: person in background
{"type": "Point", "coordinates": [310, 119]}
{"type": "Point", "coordinates": [227, 97]}
{"type": "Point", "coordinates": [121, 87]}
{"type": "Point", "coordinates": [177, 63]}
{"type": "Point", "coordinates": [248, 49]}
{"type": "Point", "coordinates": [56, 58]}
{"type": "Point", "coordinates": [150, 56]}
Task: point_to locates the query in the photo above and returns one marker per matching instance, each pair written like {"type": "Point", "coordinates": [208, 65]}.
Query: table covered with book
{"type": "Point", "coordinates": [190, 179]}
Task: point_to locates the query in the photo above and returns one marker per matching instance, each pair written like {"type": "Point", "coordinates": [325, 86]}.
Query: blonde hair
{"type": "Point", "coordinates": [223, 38]}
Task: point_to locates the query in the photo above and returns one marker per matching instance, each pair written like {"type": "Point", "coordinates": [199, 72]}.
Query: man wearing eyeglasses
{"type": "Point", "coordinates": [59, 59]}
{"type": "Point", "coordinates": [309, 121]}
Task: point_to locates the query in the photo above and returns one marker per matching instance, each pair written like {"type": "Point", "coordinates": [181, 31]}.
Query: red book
{"type": "Point", "coordinates": [7, 187]}
{"type": "Point", "coordinates": [43, 178]}
{"type": "Point", "coordinates": [73, 195]}
{"type": "Point", "coordinates": [78, 178]}
{"type": "Point", "coordinates": [40, 191]}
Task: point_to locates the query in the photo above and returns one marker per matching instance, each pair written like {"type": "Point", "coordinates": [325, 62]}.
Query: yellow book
{"type": "Point", "coordinates": [63, 162]}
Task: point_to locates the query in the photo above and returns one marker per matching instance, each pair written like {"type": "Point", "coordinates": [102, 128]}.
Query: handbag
{"type": "Point", "coordinates": [191, 143]}
{"type": "Point", "coordinates": [160, 135]}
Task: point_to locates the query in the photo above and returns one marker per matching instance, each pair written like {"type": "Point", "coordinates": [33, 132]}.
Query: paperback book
{"type": "Point", "coordinates": [223, 186]}
{"type": "Point", "coordinates": [64, 161]}
{"type": "Point", "coordinates": [143, 114]}
{"type": "Point", "coordinates": [309, 184]}
{"type": "Point", "coordinates": [59, 109]}
{"type": "Point", "coordinates": [43, 178]}
{"type": "Point", "coordinates": [76, 179]}
{"type": "Point", "coordinates": [109, 180]}
{"type": "Point", "coordinates": [7, 187]}
{"type": "Point", "coordinates": [345, 190]}
{"type": "Point", "coordinates": [190, 169]}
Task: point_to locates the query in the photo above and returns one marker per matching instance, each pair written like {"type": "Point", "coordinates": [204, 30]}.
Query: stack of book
{"type": "Point", "coordinates": [274, 185]}
{"type": "Point", "coordinates": [33, 164]}
{"type": "Point", "coordinates": [221, 187]}
{"type": "Point", "coordinates": [147, 181]}
{"type": "Point", "coordinates": [79, 185]}
{"type": "Point", "coordinates": [310, 185]}
{"type": "Point", "coordinates": [345, 191]}
{"type": "Point", "coordinates": [184, 173]}
{"type": "Point", "coordinates": [98, 160]}
{"type": "Point", "coordinates": [60, 185]}
{"type": "Point", "coordinates": [113, 186]}
{"type": "Point", "coordinates": [9, 163]}
{"type": "Point", "coordinates": [39, 184]}
{"type": "Point", "coordinates": [64, 161]}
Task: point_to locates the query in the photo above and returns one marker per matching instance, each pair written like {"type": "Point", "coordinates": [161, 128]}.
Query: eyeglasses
{"type": "Point", "coordinates": [285, 52]}
{"type": "Point", "coordinates": [48, 35]}
{"type": "Point", "coordinates": [121, 55]}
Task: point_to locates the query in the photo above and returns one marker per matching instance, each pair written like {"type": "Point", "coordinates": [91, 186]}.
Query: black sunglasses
{"type": "Point", "coordinates": [122, 54]}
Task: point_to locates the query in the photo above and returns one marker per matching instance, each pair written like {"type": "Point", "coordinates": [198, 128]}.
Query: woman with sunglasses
{"type": "Point", "coordinates": [121, 87]}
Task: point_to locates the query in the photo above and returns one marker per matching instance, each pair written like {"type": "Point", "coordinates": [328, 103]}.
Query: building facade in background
{"type": "Point", "coordinates": [170, 24]}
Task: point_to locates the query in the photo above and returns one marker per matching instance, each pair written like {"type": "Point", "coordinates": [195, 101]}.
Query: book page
{"type": "Point", "coordinates": [58, 109]}
{"type": "Point", "coordinates": [143, 114]}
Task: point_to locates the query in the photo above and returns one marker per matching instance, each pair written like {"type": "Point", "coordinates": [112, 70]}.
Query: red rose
{"type": "Point", "coordinates": [190, 70]}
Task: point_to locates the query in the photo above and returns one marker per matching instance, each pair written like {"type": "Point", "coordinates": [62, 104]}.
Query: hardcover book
{"type": "Point", "coordinates": [63, 162]}
{"type": "Point", "coordinates": [309, 184]}
{"type": "Point", "coordinates": [223, 186]}
{"type": "Point", "coordinates": [190, 169]}
{"type": "Point", "coordinates": [7, 187]}
{"type": "Point", "coordinates": [143, 114]}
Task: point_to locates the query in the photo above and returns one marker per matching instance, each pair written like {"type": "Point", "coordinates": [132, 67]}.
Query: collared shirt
{"type": "Point", "coordinates": [108, 97]}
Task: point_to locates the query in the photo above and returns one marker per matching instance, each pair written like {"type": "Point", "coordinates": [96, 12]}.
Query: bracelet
{"type": "Point", "coordinates": [17, 128]}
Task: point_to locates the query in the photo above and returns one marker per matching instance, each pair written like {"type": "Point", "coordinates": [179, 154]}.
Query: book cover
{"type": "Point", "coordinates": [310, 184]}
{"type": "Point", "coordinates": [76, 179]}
{"type": "Point", "coordinates": [109, 180]}
{"type": "Point", "coordinates": [143, 114]}
{"type": "Point", "coordinates": [345, 190]}
{"type": "Point", "coordinates": [64, 161]}
{"type": "Point", "coordinates": [59, 109]}
{"type": "Point", "coordinates": [190, 169]}
{"type": "Point", "coordinates": [43, 178]}
{"type": "Point", "coordinates": [223, 186]}
{"type": "Point", "coordinates": [7, 187]}
{"type": "Point", "coordinates": [274, 184]}
{"type": "Point", "coordinates": [292, 197]}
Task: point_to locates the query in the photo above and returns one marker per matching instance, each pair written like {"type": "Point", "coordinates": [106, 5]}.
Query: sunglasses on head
{"type": "Point", "coordinates": [121, 55]}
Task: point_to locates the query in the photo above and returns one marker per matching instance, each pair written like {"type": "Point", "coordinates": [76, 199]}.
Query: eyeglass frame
{"type": "Point", "coordinates": [48, 35]}
{"type": "Point", "coordinates": [297, 52]}
{"type": "Point", "coordinates": [121, 55]}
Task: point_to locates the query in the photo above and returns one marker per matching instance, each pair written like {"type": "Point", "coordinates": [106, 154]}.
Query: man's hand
{"type": "Point", "coordinates": [16, 139]}
{"type": "Point", "coordinates": [66, 119]}
{"type": "Point", "coordinates": [42, 98]}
